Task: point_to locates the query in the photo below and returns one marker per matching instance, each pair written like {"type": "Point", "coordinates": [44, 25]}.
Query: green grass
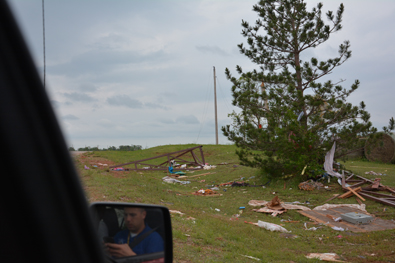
{"type": "Point", "coordinates": [213, 237]}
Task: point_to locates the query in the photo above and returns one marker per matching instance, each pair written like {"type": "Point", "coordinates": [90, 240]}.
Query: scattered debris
{"type": "Point", "coordinates": [274, 207]}
{"type": "Point", "coordinates": [311, 228]}
{"type": "Point", "coordinates": [209, 167]}
{"type": "Point", "coordinates": [173, 156]}
{"type": "Point", "coordinates": [86, 167]}
{"type": "Point", "coordinates": [170, 180]}
{"type": "Point", "coordinates": [310, 185]}
{"type": "Point", "coordinates": [369, 192]}
{"type": "Point", "coordinates": [355, 193]}
{"type": "Point", "coordinates": [331, 206]}
{"type": "Point", "coordinates": [176, 212]}
{"type": "Point", "coordinates": [336, 219]}
{"type": "Point", "coordinates": [269, 226]}
{"type": "Point", "coordinates": [197, 175]}
{"type": "Point", "coordinates": [235, 183]}
{"type": "Point", "coordinates": [207, 192]}
{"type": "Point", "coordinates": [321, 216]}
{"type": "Point", "coordinates": [119, 169]}
{"type": "Point", "coordinates": [376, 183]}
{"type": "Point", "coordinates": [257, 202]}
{"type": "Point", "coordinates": [373, 173]}
{"type": "Point", "coordinates": [296, 207]}
{"type": "Point", "coordinates": [270, 211]}
{"type": "Point", "coordinates": [349, 193]}
{"type": "Point", "coordinates": [240, 183]}
{"type": "Point", "coordinates": [324, 256]}
{"type": "Point", "coordinates": [287, 206]}
{"type": "Point", "coordinates": [235, 217]}
{"type": "Point", "coordinates": [275, 204]}
{"type": "Point", "coordinates": [257, 259]}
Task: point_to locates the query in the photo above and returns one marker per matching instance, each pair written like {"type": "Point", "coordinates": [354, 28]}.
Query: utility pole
{"type": "Point", "coordinates": [215, 106]}
{"type": "Point", "coordinates": [43, 39]}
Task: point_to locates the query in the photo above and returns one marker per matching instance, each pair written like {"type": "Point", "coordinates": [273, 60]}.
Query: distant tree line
{"type": "Point", "coordinates": [111, 148]}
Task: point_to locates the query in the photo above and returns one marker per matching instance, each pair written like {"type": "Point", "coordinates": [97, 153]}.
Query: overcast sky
{"type": "Point", "coordinates": [141, 72]}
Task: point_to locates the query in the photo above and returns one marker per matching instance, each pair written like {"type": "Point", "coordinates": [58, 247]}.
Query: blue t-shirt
{"type": "Point", "coordinates": [151, 244]}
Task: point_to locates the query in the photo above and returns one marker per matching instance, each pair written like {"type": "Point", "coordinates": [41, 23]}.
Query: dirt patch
{"type": "Point", "coordinates": [100, 162]}
{"type": "Point", "coordinates": [76, 153]}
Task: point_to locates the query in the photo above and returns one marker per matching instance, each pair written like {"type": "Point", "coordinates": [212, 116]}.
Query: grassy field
{"type": "Point", "coordinates": [204, 234]}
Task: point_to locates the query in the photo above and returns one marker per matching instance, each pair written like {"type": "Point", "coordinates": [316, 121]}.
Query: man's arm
{"type": "Point", "coordinates": [119, 250]}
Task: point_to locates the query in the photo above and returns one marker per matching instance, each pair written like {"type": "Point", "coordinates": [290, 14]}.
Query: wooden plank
{"type": "Point", "coordinates": [349, 193]}
{"type": "Point", "coordinates": [358, 184]}
{"type": "Point", "coordinates": [322, 218]}
{"type": "Point", "coordinates": [315, 218]}
{"type": "Point", "coordinates": [380, 200]}
{"type": "Point", "coordinates": [359, 201]}
{"type": "Point", "coordinates": [348, 178]}
{"type": "Point", "coordinates": [349, 188]}
{"type": "Point", "coordinates": [196, 175]}
{"type": "Point", "coordinates": [334, 197]}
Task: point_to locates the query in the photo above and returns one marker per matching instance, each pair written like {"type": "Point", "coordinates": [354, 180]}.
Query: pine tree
{"type": "Point", "coordinates": [288, 119]}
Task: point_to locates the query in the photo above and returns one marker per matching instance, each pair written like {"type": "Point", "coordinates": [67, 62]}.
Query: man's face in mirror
{"type": "Point", "coordinates": [134, 219]}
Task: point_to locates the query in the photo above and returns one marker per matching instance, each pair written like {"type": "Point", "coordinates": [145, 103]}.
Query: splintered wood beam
{"type": "Point", "coordinates": [349, 193]}
{"type": "Point", "coordinates": [380, 200]}
{"type": "Point", "coordinates": [349, 188]}
{"type": "Point", "coordinates": [334, 197]}
{"type": "Point", "coordinates": [357, 184]}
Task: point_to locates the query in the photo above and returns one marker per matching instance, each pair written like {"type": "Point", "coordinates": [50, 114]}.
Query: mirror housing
{"type": "Point", "coordinates": [114, 224]}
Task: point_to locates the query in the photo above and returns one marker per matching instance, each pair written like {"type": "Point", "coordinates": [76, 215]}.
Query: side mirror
{"type": "Point", "coordinates": [145, 228]}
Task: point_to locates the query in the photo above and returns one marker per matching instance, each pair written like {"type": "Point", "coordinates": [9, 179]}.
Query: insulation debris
{"type": "Point", "coordinates": [287, 206]}
{"type": "Point", "coordinates": [310, 185]}
{"type": "Point", "coordinates": [325, 256]}
{"type": "Point", "coordinates": [206, 192]}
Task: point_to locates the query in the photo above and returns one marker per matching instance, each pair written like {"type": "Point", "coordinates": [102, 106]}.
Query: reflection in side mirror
{"type": "Point", "coordinates": [134, 232]}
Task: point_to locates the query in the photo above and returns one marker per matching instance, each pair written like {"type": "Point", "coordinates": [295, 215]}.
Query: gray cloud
{"type": "Point", "coordinates": [168, 94]}
{"type": "Point", "coordinates": [155, 106]}
{"type": "Point", "coordinates": [212, 49]}
{"type": "Point", "coordinates": [77, 96]}
{"type": "Point", "coordinates": [105, 123]}
{"type": "Point", "coordinates": [190, 119]}
{"type": "Point", "coordinates": [124, 100]}
{"type": "Point", "coordinates": [87, 87]}
{"type": "Point", "coordinates": [95, 62]}
{"type": "Point", "coordinates": [70, 117]}
{"type": "Point", "coordinates": [165, 121]}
